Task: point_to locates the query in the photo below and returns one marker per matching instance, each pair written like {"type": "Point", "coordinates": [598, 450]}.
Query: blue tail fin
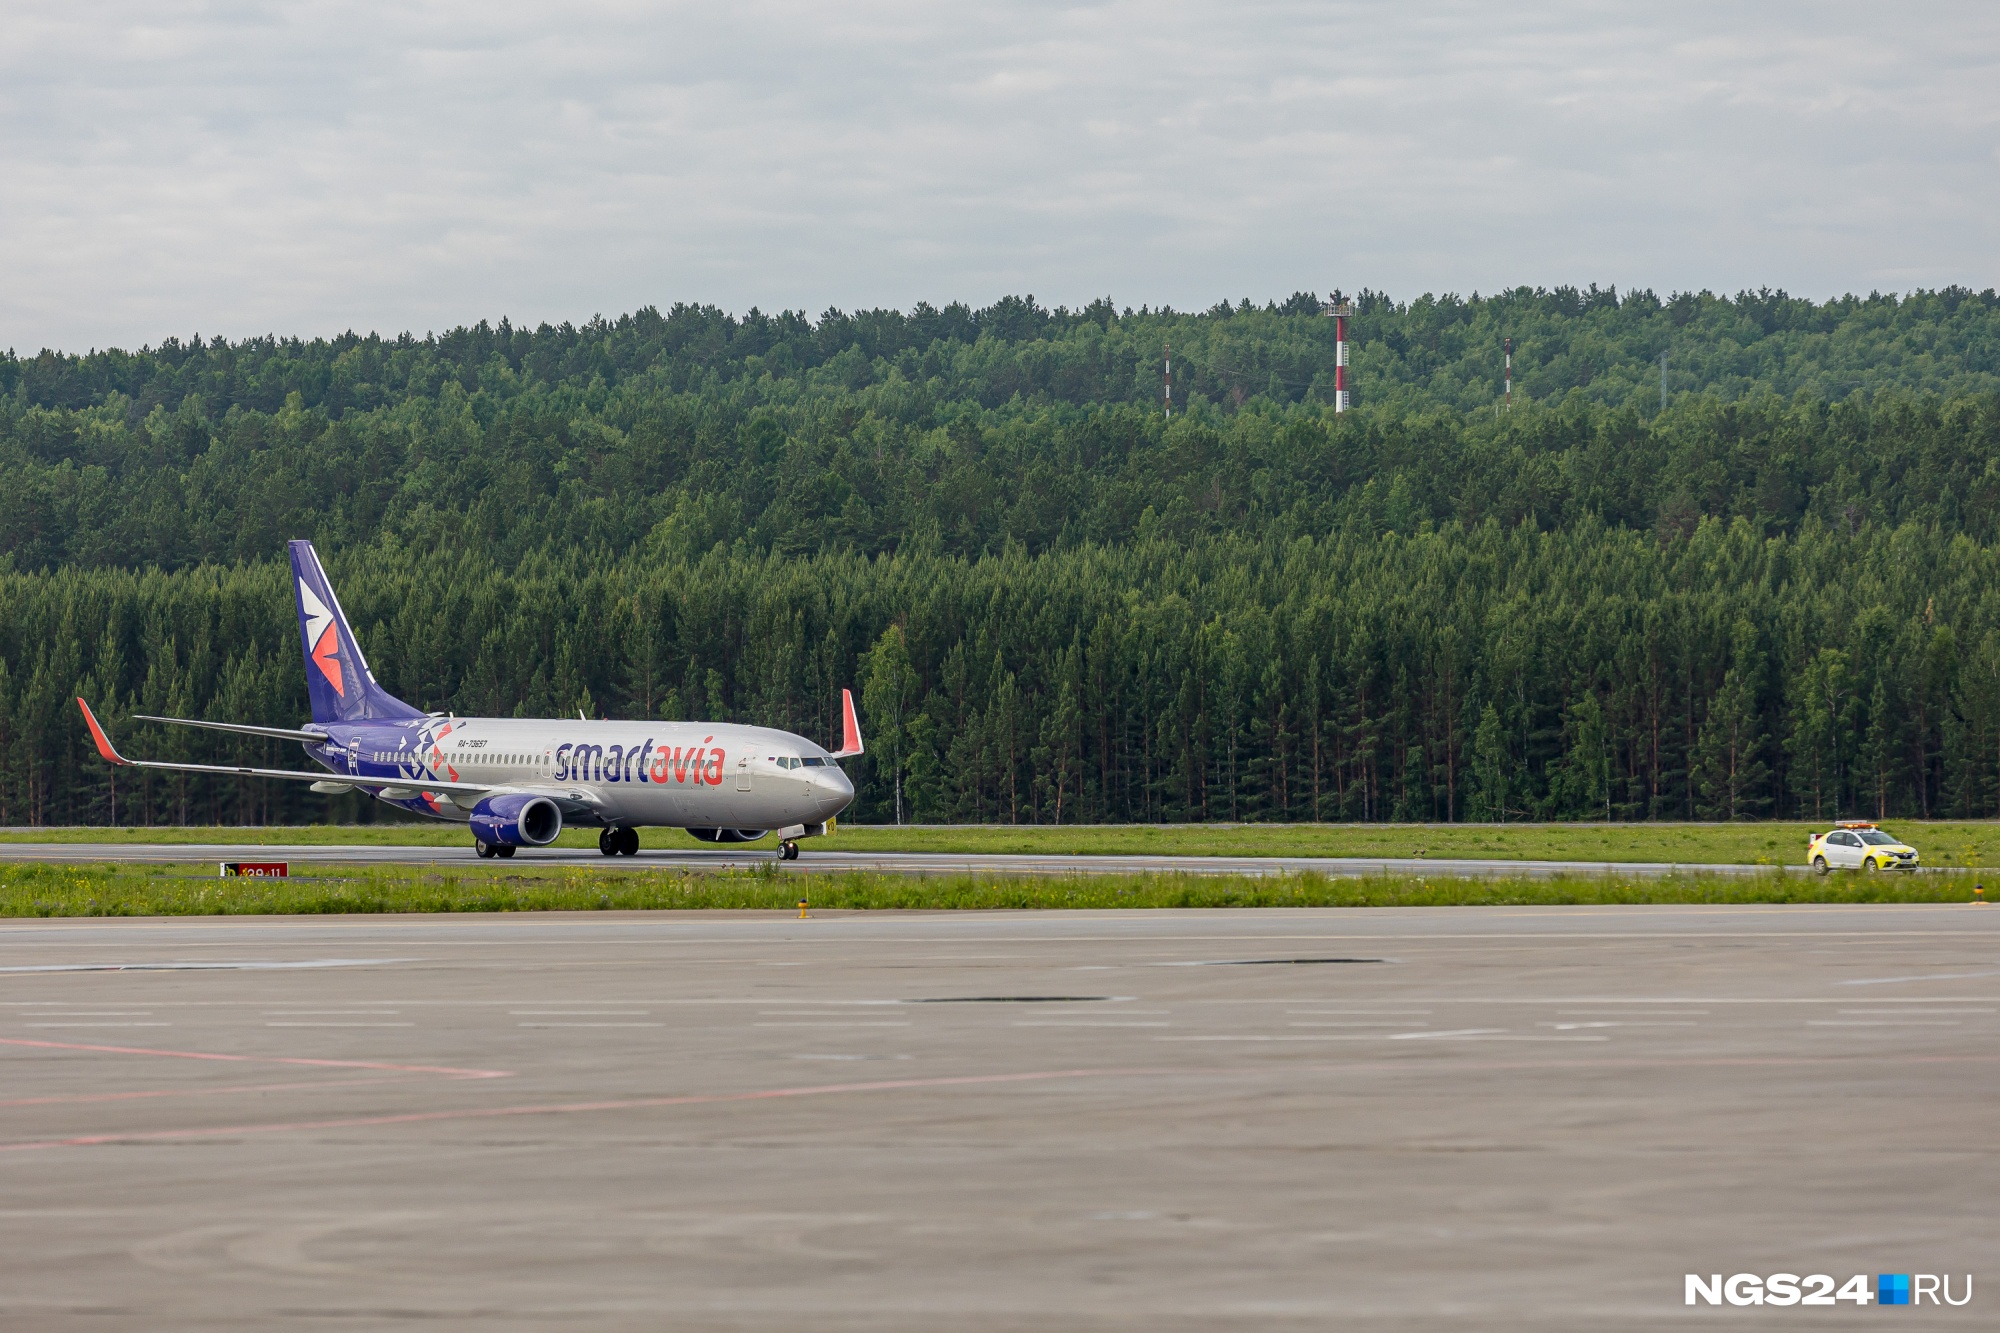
{"type": "Point", "coordinates": [337, 675]}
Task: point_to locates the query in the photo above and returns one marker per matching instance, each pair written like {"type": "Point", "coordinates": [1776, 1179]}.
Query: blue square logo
{"type": "Point", "coordinates": [1892, 1289]}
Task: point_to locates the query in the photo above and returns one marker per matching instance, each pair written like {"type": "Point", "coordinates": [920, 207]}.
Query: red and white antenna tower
{"type": "Point", "coordinates": [1510, 375]}
{"type": "Point", "coordinates": [1339, 309]}
{"type": "Point", "coordinates": [1167, 377]}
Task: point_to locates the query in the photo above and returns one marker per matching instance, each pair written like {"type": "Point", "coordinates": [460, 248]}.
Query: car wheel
{"type": "Point", "coordinates": [1871, 865]}
{"type": "Point", "coordinates": [1819, 865]}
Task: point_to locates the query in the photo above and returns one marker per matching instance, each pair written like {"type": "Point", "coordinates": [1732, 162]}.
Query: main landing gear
{"type": "Point", "coordinates": [619, 842]}
{"type": "Point", "coordinates": [788, 850]}
{"type": "Point", "coordinates": [487, 850]}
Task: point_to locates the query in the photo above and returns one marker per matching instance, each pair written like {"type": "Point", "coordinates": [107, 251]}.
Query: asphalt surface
{"type": "Point", "coordinates": [1472, 1118]}
{"type": "Point", "coordinates": [811, 858]}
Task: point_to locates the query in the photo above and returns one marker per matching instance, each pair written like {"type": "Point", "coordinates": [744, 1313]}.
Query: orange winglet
{"type": "Point", "coordinates": [850, 727]}
{"type": "Point", "coordinates": [104, 747]}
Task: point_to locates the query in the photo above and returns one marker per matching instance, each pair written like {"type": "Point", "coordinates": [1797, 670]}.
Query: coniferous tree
{"type": "Point", "coordinates": [1729, 767]}
{"type": "Point", "coordinates": [1817, 734]}
{"type": "Point", "coordinates": [1878, 759]}
{"type": "Point", "coordinates": [1489, 769]}
{"type": "Point", "coordinates": [888, 695]}
{"type": "Point", "coordinates": [1581, 786]}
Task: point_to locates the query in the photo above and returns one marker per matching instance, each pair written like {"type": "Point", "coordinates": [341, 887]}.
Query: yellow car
{"type": "Point", "coordinates": [1854, 845]}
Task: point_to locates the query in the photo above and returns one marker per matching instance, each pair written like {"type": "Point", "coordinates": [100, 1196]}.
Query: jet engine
{"type": "Point", "coordinates": [517, 820]}
{"type": "Point", "coordinates": [728, 834]}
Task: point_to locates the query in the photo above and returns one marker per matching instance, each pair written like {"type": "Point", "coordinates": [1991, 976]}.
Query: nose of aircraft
{"type": "Point", "coordinates": [833, 790]}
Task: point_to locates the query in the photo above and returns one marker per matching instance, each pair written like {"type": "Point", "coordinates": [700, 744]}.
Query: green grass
{"type": "Point", "coordinates": [38, 890]}
{"type": "Point", "coordinates": [1961, 843]}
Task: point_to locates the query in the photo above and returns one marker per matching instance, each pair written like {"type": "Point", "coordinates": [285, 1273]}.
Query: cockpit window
{"type": "Point", "coordinates": [815, 763]}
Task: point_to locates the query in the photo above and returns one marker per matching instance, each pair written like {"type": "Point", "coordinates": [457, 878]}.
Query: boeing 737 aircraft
{"type": "Point", "coordinates": [517, 781]}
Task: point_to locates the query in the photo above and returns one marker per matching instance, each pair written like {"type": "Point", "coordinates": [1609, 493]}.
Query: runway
{"type": "Point", "coordinates": [817, 859]}
{"type": "Point", "coordinates": [1474, 1118]}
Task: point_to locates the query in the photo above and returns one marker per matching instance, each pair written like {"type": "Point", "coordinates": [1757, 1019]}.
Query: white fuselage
{"type": "Point", "coordinates": [681, 774]}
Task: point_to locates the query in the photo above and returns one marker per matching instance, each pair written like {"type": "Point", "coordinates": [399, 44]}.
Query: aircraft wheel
{"type": "Point", "coordinates": [485, 849]}
{"type": "Point", "coordinates": [504, 851]}
{"type": "Point", "coordinates": [1820, 866]}
{"type": "Point", "coordinates": [628, 841]}
{"type": "Point", "coordinates": [607, 841]}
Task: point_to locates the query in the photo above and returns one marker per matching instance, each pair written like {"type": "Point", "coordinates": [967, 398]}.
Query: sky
{"type": "Point", "coordinates": [238, 168]}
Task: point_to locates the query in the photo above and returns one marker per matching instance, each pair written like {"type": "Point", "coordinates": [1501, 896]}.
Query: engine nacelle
{"type": "Point", "coordinates": [728, 834]}
{"type": "Point", "coordinates": [517, 820]}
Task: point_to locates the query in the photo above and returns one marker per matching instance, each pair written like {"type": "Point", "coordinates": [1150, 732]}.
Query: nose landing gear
{"type": "Point", "coordinates": [788, 850]}
{"type": "Point", "coordinates": [487, 850]}
{"type": "Point", "coordinates": [618, 841]}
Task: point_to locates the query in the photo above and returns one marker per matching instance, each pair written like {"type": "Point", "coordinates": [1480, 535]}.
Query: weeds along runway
{"type": "Point", "coordinates": [810, 859]}
{"type": "Point", "coordinates": [1506, 1118]}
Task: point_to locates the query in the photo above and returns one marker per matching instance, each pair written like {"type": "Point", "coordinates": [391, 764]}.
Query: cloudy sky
{"type": "Point", "coordinates": [236, 167]}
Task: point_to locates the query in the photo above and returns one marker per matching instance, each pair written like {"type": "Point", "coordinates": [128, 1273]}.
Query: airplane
{"type": "Point", "coordinates": [519, 781]}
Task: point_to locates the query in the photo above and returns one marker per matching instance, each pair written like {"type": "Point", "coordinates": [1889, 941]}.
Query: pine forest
{"type": "Point", "coordinates": [1717, 558]}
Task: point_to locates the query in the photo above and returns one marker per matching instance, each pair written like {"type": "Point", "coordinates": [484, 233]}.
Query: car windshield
{"type": "Point", "coordinates": [1875, 837]}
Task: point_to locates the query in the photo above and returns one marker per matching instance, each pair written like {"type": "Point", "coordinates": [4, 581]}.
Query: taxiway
{"type": "Point", "coordinates": [823, 859]}
{"type": "Point", "coordinates": [1492, 1118]}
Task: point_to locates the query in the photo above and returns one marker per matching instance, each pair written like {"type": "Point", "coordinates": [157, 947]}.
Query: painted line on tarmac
{"type": "Point", "coordinates": [568, 1108]}
{"type": "Point", "coordinates": [445, 1070]}
{"type": "Point", "coordinates": [887, 1085]}
{"type": "Point", "coordinates": [74, 1098]}
{"type": "Point", "coordinates": [1418, 1064]}
{"type": "Point", "coordinates": [1932, 976]}
{"type": "Point", "coordinates": [251, 965]}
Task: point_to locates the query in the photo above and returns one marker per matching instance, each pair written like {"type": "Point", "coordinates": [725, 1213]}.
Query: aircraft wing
{"type": "Point", "coordinates": [412, 786]}
{"type": "Point", "coordinates": [276, 733]}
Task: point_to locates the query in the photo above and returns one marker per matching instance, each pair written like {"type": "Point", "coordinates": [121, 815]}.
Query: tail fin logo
{"type": "Point", "coordinates": [323, 637]}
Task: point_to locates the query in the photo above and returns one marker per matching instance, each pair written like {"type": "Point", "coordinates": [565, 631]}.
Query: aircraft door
{"type": "Point", "coordinates": [743, 773]}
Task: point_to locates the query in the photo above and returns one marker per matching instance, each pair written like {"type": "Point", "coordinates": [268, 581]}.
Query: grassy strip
{"type": "Point", "coordinates": [1943, 843]}
{"type": "Point", "coordinates": [37, 890]}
